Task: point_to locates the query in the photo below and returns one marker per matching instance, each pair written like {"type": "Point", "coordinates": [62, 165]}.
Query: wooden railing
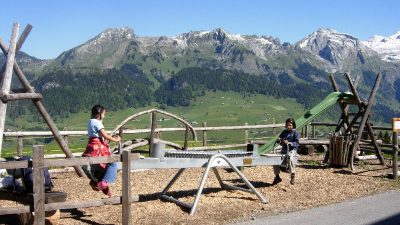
{"type": "Point", "coordinates": [38, 163]}
{"type": "Point", "coordinates": [305, 133]}
{"type": "Point", "coordinates": [20, 135]}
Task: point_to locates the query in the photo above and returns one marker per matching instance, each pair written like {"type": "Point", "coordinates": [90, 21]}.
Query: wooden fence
{"type": "Point", "coordinates": [38, 163]}
{"type": "Point", "coordinates": [20, 135]}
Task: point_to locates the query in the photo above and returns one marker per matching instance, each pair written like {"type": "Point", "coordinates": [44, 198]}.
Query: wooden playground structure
{"type": "Point", "coordinates": [350, 124]}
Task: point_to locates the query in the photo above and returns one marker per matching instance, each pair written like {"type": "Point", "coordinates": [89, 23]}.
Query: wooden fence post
{"type": "Point", "coordinates": [38, 184]}
{"type": "Point", "coordinates": [158, 133]}
{"type": "Point", "coordinates": [153, 127]}
{"type": "Point", "coordinates": [395, 154]}
{"type": "Point", "coordinates": [126, 188]}
{"type": "Point", "coordinates": [246, 134]}
{"type": "Point", "coordinates": [66, 138]}
{"type": "Point", "coordinates": [204, 134]}
{"type": "Point", "coordinates": [185, 144]}
{"type": "Point", "coordinates": [273, 128]}
{"type": "Point", "coordinates": [20, 146]}
{"type": "Point", "coordinates": [313, 129]}
{"type": "Point", "coordinates": [306, 131]}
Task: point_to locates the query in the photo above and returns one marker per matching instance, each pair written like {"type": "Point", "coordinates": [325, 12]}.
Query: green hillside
{"type": "Point", "coordinates": [216, 108]}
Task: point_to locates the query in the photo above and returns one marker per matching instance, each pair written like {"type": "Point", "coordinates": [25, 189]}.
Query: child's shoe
{"type": "Point", "coordinates": [103, 186]}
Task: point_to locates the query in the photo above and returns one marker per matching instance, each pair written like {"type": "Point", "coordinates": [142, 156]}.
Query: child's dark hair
{"type": "Point", "coordinates": [97, 110]}
{"type": "Point", "coordinates": [291, 120]}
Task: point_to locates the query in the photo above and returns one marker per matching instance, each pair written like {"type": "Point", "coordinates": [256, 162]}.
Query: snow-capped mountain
{"type": "Point", "coordinates": [337, 48]}
{"type": "Point", "coordinates": [212, 48]}
{"type": "Point", "coordinates": [387, 47]}
{"type": "Point", "coordinates": [219, 39]}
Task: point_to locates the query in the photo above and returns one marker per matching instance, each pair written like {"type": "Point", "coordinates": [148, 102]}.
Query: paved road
{"type": "Point", "coordinates": [382, 209]}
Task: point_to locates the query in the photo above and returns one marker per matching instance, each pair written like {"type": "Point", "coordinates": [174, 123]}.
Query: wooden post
{"type": "Point", "coordinates": [20, 146]}
{"type": "Point", "coordinates": [365, 116]}
{"type": "Point", "coordinates": [6, 79]}
{"type": "Point", "coordinates": [204, 134]}
{"type": "Point", "coordinates": [395, 154]}
{"type": "Point", "coordinates": [185, 144]}
{"type": "Point", "coordinates": [273, 128]}
{"type": "Point", "coordinates": [378, 152]}
{"type": "Point", "coordinates": [246, 134]}
{"type": "Point", "coordinates": [39, 105]}
{"type": "Point", "coordinates": [333, 83]}
{"type": "Point", "coordinates": [158, 133]}
{"type": "Point", "coordinates": [126, 188]}
{"type": "Point", "coordinates": [38, 184]}
{"type": "Point", "coordinates": [313, 130]}
{"type": "Point", "coordinates": [56, 133]}
{"type": "Point", "coordinates": [66, 138]}
{"type": "Point", "coordinates": [306, 131]}
{"type": "Point", "coordinates": [153, 127]}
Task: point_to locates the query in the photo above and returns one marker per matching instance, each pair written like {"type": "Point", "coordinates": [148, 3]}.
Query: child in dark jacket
{"type": "Point", "coordinates": [289, 140]}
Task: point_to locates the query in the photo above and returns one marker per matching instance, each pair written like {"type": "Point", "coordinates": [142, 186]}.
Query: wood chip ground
{"type": "Point", "coordinates": [315, 186]}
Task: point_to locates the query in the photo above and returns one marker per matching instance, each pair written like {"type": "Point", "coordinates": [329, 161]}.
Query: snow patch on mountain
{"type": "Point", "coordinates": [387, 47]}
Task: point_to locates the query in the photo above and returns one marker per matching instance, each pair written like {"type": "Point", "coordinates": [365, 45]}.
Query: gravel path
{"type": "Point", "coordinates": [382, 209]}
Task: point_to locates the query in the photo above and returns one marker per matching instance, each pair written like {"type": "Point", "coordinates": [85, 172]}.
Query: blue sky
{"type": "Point", "coordinates": [61, 25]}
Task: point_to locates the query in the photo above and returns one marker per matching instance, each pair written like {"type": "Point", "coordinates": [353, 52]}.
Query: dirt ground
{"type": "Point", "coordinates": [315, 186]}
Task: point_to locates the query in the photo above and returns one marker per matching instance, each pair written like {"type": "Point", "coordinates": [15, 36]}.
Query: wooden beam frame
{"type": "Point", "coordinates": [30, 94]}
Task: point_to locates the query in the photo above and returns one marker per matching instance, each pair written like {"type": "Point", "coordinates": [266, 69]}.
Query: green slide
{"type": "Point", "coordinates": [325, 104]}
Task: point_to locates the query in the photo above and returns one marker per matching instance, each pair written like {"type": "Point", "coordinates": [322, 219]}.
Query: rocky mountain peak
{"type": "Point", "coordinates": [337, 48]}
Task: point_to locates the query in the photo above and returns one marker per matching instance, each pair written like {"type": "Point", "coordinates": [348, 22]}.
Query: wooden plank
{"type": "Point", "coordinates": [14, 165]}
{"type": "Point", "coordinates": [14, 210]}
{"type": "Point", "coordinates": [85, 160]}
{"type": "Point", "coordinates": [20, 96]}
{"type": "Point", "coordinates": [87, 203]}
{"type": "Point", "coordinates": [7, 77]}
{"type": "Point", "coordinates": [302, 141]}
{"type": "Point", "coordinates": [38, 185]}
{"type": "Point", "coordinates": [80, 161]}
{"type": "Point", "coordinates": [137, 131]}
{"type": "Point", "coordinates": [367, 157]}
{"type": "Point", "coordinates": [126, 188]}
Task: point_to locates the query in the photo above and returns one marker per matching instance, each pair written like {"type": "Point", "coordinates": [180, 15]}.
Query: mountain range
{"type": "Point", "coordinates": [308, 61]}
